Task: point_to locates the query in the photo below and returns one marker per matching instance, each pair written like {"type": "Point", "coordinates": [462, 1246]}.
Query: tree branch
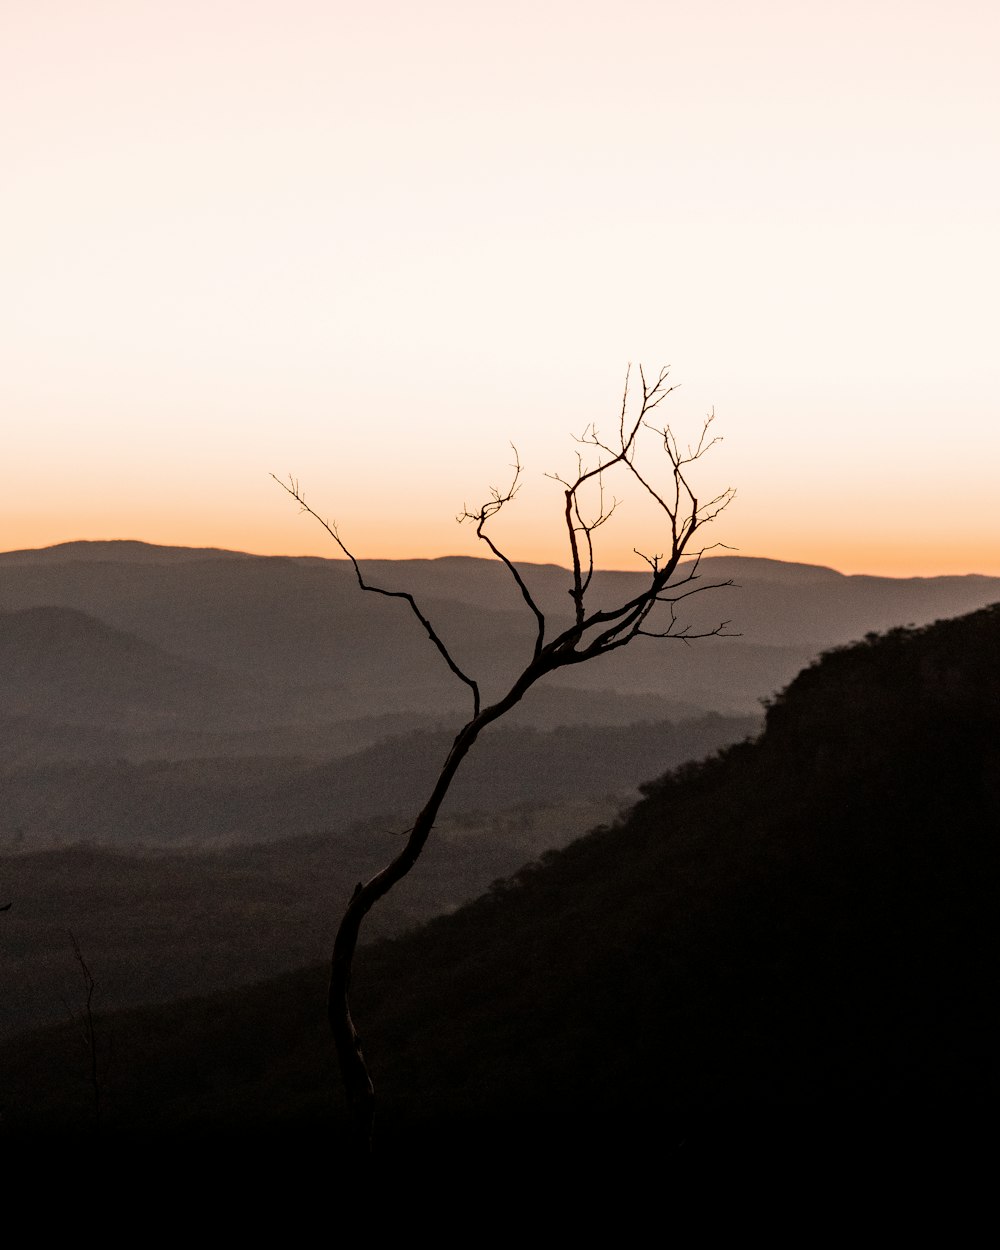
{"type": "Point", "coordinates": [485, 512]}
{"type": "Point", "coordinates": [293, 489]}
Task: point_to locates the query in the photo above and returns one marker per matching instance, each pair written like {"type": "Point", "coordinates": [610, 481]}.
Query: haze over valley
{"type": "Point", "coordinates": [780, 935]}
{"type": "Point", "coordinates": [235, 740]}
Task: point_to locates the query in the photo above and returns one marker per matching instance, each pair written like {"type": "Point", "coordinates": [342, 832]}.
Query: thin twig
{"type": "Point", "coordinates": [489, 510]}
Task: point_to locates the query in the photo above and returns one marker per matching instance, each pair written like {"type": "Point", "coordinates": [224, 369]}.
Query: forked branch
{"type": "Point", "coordinates": [292, 487]}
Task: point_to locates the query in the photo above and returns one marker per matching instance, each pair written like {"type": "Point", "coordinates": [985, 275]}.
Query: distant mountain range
{"type": "Point", "coordinates": [308, 645]}
{"type": "Point", "coordinates": [117, 655]}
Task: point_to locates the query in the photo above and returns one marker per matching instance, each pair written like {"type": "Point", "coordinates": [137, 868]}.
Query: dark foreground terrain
{"type": "Point", "coordinates": [781, 960]}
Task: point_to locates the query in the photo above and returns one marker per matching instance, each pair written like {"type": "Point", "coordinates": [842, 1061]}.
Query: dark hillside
{"type": "Point", "coordinates": [794, 942]}
{"type": "Point", "coordinates": [786, 954]}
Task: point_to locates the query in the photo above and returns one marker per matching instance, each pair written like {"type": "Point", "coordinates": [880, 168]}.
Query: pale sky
{"type": "Point", "coordinates": [373, 244]}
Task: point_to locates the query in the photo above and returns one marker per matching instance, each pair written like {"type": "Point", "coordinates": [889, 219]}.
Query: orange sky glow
{"type": "Point", "coordinates": [374, 245]}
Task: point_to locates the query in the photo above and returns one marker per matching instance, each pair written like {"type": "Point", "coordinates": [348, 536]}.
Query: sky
{"type": "Point", "coordinates": [373, 245]}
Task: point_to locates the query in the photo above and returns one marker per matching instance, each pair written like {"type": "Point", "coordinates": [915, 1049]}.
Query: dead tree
{"type": "Point", "coordinates": [593, 631]}
{"type": "Point", "coordinates": [88, 1029]}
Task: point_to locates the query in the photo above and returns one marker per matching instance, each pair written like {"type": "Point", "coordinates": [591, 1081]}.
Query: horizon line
{"type": "Point", "coordinates": [258, 555]}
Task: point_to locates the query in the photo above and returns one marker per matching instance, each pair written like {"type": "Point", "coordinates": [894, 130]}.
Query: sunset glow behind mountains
{"type": "Point", "coordinates": [375, 245]}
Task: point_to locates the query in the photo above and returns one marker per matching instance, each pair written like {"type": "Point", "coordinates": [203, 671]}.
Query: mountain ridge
{"type": "Point", "coordinates": [132, 550]}
{"type": "Point", "coordinates": [302, 621]}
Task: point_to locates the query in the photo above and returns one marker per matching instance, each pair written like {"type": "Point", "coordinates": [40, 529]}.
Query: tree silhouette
{"type": "Point", "coordinates": [593, 632]}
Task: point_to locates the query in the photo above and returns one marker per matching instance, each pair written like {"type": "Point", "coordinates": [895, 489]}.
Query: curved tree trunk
{"type": "Point", "coordinates": [358, 1083]}
{"type": "Point", "coordinates": [353, 1067]}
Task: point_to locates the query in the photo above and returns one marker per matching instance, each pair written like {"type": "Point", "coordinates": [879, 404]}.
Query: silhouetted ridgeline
{"type": "Point", "coordinates": [786, 953]}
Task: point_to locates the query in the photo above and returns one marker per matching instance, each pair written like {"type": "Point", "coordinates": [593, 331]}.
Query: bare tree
{"type": "Point", "coordinates": [593, 632]}
{"type": "Point", "coordinates": [88, 1029]}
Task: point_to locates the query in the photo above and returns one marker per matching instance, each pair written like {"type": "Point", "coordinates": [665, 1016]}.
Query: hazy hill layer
{"type": "Point", "coordinates": [160, 925]}
{"type": "Point", "coordinates": [63, 666]}
{"type": "Point", "coordinates": [787, 954]}
{"type": "Point", "coordinates": [304, 623]}
{"type": "Point", "coordinates": [162, 802]}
